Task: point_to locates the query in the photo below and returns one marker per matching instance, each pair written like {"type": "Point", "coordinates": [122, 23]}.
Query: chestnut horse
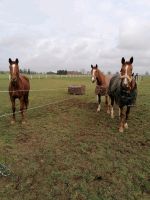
{"type": "Point", "coordinates": [123, 90]}
{"type": "Point", "coordinates": [101, 85]}
{"type": "Point", "coordinates": [19, 87]}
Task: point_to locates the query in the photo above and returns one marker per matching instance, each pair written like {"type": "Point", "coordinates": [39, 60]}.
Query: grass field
{"type": "Point", "coordinates": [68, 151]}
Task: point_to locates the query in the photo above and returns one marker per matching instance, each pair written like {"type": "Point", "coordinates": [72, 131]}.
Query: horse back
{"type": "Point", "coordinates": [107, 80]}
{"type": "Point", "coordinates": [25, 82]}
{"type": "Point", "coordinates": [114, 84]}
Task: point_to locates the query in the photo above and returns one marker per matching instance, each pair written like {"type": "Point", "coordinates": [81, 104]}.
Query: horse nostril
{"type": "Point", "coordinates": [14, 79]}
{"type": "Point", "coordinates": [125, 85]}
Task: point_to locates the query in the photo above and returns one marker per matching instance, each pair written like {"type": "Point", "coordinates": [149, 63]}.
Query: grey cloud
{"type": "Point", "coordinates": [75, 34]}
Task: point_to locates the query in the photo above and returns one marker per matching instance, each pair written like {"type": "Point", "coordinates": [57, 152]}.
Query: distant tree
{"type": "Point", "coordinates": [28, 72]}
{"type": "Point", "coordinates": [62, 72]}
{"type": "Point", "coordinates": [50, 72]}
{"type": "Point", "coordinates": [146, 73]}
{"type": "Point", "coordinates": [83, 71]}
{"type": "Point", "coordinates": [25, 71]}
{"type": "Point", "coordinates": [2, 72]}
{"type": "Point", "coordinates": [109, 72]}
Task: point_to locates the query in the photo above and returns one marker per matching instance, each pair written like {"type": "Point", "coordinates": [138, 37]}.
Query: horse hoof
{"type": "Point", "coordinates": [126, 125]}
{"type": "Point", "coordinates": [23, 122]}
{"type": "Point", "coordinates": [12, 122]}
{"type": "Point", "coordinates": [108, 111]}
{"type": "Point", "coordinates": [121, 130]}
{"type": "Point", "coordinates": [112, 116]}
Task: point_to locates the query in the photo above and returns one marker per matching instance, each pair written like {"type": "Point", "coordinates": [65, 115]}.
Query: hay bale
{"type": "Point", "coordinates": [77, 90]}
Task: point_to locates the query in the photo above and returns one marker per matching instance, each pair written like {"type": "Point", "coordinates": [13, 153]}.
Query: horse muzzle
{"type": "Point", "coordinates": [14, 81]}
{"type": "Point", "coordinates": [93, 79]}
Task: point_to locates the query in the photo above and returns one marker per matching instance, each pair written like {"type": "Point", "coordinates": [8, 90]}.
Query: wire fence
{"type": "Point", "coordinates": [40, 106]}
{"type": "Point", "coordinates": [36, 107]}
{"type": "Point", "coordinates": [42, 90]}
{"type": "Point", "coordinates": [46, 76]}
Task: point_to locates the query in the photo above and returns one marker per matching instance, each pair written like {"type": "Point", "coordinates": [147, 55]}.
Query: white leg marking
{"type": "Point", "coordinates": [126, 125]}
{"type": "Point", "coordinates": [112, 112]}
{"type": "Point", "coordinates": [121, 129]}
{"type": "Point", "coordinates": [99, 107]}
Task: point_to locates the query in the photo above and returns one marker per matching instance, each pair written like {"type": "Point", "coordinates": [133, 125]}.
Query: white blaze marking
{"type": "Point", "coordinates": [99, 108]}
{"type": "Point", "coordinates": [126, 80]}
{"type": "Point", "coordinates": [13, 67]}
{"type": "Point", "coordinates": [93, 76]}
{"type": "Point", "coordinates": [126, 125]}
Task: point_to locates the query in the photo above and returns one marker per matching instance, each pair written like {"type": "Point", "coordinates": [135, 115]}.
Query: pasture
{"type": "Point", "coordinates": [67, 150]}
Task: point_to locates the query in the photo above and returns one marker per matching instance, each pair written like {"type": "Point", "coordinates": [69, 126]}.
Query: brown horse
{"type": "Point", "coordinates": [102, 83]}
{"type": "Point", "coordinates": [123, 91]}
{"type": "Point", "coordinates": [19, 87]}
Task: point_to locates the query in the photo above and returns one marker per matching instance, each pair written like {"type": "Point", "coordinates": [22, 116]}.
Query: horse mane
{"type": "Point", "coordinates": [101, 78]}
{"type": "Point", "coordinates": [24, 77]}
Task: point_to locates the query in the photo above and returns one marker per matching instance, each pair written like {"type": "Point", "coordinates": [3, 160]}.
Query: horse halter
{"type": "Point", "coordinates": [126, 76]}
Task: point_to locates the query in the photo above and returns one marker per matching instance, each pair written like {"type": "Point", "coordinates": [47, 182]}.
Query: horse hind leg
{"type": "Point", "coordinates": [127, 115]}
{"type": "Point", "coordinates": [22, 105]}
{"type": "Point", "coordinates": [122, 120]}
{"type": "Point", "coordinates": [13, 110]}
{"type": "Point", "coordinates": [111, 107]}
{"type": "Point", "coordinates": [26, 100]}
{"type": "Point", "coordinates": [99, 102]}
{"type": "Point", "coordinates": [107, 100]}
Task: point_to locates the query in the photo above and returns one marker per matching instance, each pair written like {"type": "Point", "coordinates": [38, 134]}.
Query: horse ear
{"type": "Point", "coordinates": [96, 66]}
{"type": "Point", "coordinates": [131, 60]}
{"type": "Point", "coordinates": [122, 60]}
{"type": "Point", "coordinates": [17, 61]}
{"type": "Point", "coordinates": [10, 61]}
{"type": "Point", "coordinates": [92, 66]}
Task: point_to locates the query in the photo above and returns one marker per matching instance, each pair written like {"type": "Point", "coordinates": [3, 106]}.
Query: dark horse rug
{"type": "Point", "coordinates": [122, 97]}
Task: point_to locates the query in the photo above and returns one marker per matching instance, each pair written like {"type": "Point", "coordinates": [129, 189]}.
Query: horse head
{"type": "Point", "coordinates": [14, 70]}
{"type": "Point", "coordinates": [126, 73]}
{"type": "Point", "coordinates": [94, 72]}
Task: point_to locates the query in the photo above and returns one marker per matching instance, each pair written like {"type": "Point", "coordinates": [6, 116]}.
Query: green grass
{"type": "Point", "coordinates": [69, 151]}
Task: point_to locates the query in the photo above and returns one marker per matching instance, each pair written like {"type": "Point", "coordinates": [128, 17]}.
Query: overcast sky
{"type": "Point", "coordinates": [47, 35]}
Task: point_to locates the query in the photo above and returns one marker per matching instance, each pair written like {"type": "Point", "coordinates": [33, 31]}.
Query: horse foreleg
{"type": "Point", "coordinates": [99, 102]}
{"type": "Point", "coordinates": [119, 113]}
{"type": "Point", "coordinates": [112, 107]}
{"type": "Point", "coordinates": [127, 115]}
{"type": "Point", "coordinates": [26, 100]}
{"type": "Point", "coordinates": [122, 120]}
{"type": "Point", "coordinates": [13, 110]}
{"type": "Point", "coordinates": [22, 105]}
{"type": "Point", "coordinates": [107, 103]}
